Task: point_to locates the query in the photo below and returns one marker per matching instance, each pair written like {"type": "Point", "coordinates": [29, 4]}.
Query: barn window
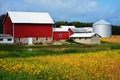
{"type": "Point", "coordinates": [1, 39]}
{"type": "Point", "coordinates": [85, 38]}
{"type": "Point", "coordinates": [79, 38]}
{"type": "Point", "coordinates": [60, 35]}
{"type": "Point", "coordinates": [9, 39]}
{"type": "Point", "coordinates": [19, 39]}
{"type": "Point", "coordinates": [37, 39]}
{"type": "Point", "coordinates": [46, 38]}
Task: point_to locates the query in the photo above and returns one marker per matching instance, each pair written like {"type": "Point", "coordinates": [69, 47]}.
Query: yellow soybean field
{"type": "Point", "coordinates": [113, 39]}
{"type": "Point", "coordinates": [101, 65]}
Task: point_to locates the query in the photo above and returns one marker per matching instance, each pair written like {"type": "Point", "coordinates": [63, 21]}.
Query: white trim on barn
{"type": "Point", "coordinates": [13, 30]}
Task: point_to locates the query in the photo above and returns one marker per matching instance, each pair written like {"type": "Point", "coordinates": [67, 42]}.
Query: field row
{"type": "Point", "coordinates": [101, 65]}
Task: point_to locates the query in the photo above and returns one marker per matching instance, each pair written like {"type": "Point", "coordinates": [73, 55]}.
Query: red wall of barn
{"type": "Point", "coordinates": [70, 32]}
{"type": "Point", "coordinates": [32, 30]}
{"type": "Point", "coordinates": [8, 26]}
{"type": "Point", "coordinates": [65, 35]}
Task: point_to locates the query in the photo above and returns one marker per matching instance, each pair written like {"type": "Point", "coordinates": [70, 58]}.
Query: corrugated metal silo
{"type": "Point", "coordinates": [103, 28]}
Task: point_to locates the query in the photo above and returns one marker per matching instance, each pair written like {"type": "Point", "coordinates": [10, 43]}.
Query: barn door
{"type": "Point", "coordinates": [29, 40]}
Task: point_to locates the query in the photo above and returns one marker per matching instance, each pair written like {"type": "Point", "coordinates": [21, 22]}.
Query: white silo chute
{"type": "Point", "coordinates": [103, 28]}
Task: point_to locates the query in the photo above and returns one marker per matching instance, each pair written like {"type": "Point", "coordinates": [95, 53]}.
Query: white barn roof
{"type": "Point", "coordinates": [67, 27]}
{"type": "Point", "coordinates": [78, 30]}
{"type": "Point", "coordinates": [102, 22]}
{"type": "Point", "coordinates": [60, 30]}
{"type": "Point", "coordinates": [88, 29]}
{"type": "Point", "coordinates": [80, 35]}
{"type": "Point", "coordinates": [30, 17]}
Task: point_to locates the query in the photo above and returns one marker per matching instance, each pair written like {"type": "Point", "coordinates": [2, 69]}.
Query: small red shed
{"type": "Point", "coordinates": [24, 26]}
{"type": "Point", "coordinates": [60, 34]}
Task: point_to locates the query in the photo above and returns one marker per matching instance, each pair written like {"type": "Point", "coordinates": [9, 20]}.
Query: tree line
{"type": "Point", "coordinates": [115, 28]}
{"type": "Point", "coordinates": [75, 23]}
{"type": "Point", "coordinates": [1, 25]}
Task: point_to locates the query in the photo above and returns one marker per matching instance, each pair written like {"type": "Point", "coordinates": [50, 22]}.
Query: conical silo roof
{"type": "Point", "coordinates": [102, 22]}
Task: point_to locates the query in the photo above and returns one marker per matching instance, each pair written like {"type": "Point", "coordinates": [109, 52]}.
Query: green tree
{"type": "Point", "coordinates": [75, 23]}
{"type": "Point", "coordinates": [1, 25]}
{"type": "Point", "coordinates": [115, 30]}
{"type": "Point", "coordinates": [59, 23]}
{"type": "Point", "coordinates": [81, 24]}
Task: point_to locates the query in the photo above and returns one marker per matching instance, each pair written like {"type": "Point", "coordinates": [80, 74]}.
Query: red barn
{"type": "Point", "coordinates": [70, 31]}
{"type": "Point", "coordinates": [68, 28]}
{"type": "Point", "coordinates": [29, 27]}
{"type": "Point", "coordinates": [60, 34]}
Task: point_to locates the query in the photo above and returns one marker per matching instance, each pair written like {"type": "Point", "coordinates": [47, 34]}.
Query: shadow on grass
{"type": "Point", "coordinates": [41, 50]}
{"type": "Point", "coordinates": [33, 53]}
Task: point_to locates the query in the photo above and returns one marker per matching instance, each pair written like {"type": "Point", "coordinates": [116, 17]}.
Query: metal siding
{"type": "Point", "coordinates": [65, 35]}
{"type": "Point", "coordinates": [103, 30]}
{"type": "Point", "coordinates": [8, 26]}
{"type": "Point", "coordinates": [32, 30]}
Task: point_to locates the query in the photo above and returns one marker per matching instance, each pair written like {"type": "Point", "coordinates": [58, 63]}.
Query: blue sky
{"type": "Point", "coordinates": [68, 10]}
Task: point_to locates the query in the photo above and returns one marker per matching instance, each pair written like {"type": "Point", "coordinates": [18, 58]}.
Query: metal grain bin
{"type": "Point", "coordinates": [103, 28]}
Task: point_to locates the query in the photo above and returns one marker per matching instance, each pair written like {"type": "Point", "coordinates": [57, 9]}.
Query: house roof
{"type": "Point", "coordinates": [80, 35]}
{"type": "Point", "coordinates": [5, 35]}
{"type": "Point", "coordinates": [67, 27]}
{"type": "Point", "coordinates": [80, 30]}
{"type": "Point", "coordinates": [101, 22]}
{"type": "Point", "coordinates": [60, 30]}
{"type": "Point", "coordinates": [30, 17]}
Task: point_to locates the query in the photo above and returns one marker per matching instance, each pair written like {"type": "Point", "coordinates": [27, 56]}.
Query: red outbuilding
{"type": "Point", "coordinates": [29, 27]}
{"type": "Point", "coordinates": [60, 34]}
{"type": "Point", "coordinates": [68, 28]}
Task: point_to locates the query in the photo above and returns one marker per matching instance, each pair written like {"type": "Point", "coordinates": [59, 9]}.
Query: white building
{"type": "Point", "coordinates": [4, 38]}
{"type": "Point", "coordinates": [86, 38]}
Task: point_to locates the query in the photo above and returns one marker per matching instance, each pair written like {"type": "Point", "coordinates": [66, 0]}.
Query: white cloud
{"type": "Point", "coordinates": [71, 10]}
{"type": "Point", "coordinates": [67, 10]}
{"type": "Point", "coordinates": [83, 5]}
